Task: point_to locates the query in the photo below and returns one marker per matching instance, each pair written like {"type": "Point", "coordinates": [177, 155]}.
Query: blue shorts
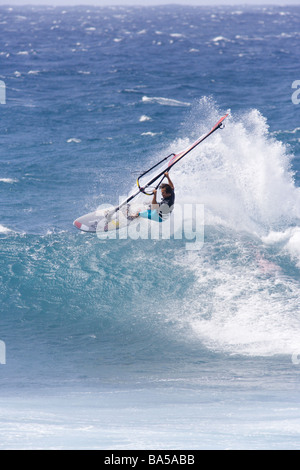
{"type": "Point", "coordinates": [151, 214]}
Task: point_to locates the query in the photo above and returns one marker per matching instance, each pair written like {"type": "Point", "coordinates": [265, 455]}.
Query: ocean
{"type": "Point", "coordinates": [141, 342]}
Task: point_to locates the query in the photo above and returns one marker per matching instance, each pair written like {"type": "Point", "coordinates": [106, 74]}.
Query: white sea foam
{"type": "Point", "coordinates": [164, 101]}
{"type": "Point", "coordinates": [293, 131]}
{"type": "Point", "coordinates": [238, 305]}
{"type": "Point", "coordinates": [246, 318]}
{"type": "Point", "coordinates": [288, 240]}
{"type": "Point", "coordinates": [8, 180]}
{"type": "Point", "coordinates": [144, 118]}
{"type": "Point", "coordinates": [151, 134]}
{"type": "Point", "coordinates": [219, 39]}
{"type": "Point", "coordinates": [241, 301]}
{"type": "Point", "coordinates": [74, 140]}
{"type": "Point", "coordinates": [241, 174]}
{"type": "Point", "coordinates": [4, 229]}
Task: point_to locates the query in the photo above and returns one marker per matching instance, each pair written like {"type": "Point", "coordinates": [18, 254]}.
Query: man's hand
{"type": "Point", "coordinates": [169, 179]}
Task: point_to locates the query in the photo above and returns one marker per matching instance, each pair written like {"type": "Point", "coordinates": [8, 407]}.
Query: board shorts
{"type": "Point", "coordinates": [151, 214]}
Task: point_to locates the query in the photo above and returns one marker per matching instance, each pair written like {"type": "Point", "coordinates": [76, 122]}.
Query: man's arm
{"type": "Point", "coordinates": [154, 201]}
{"type": "Point", "coordinates": [169, 180]}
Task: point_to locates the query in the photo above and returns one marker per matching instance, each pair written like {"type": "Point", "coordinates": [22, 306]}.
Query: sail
{"type": "Point", "coordinates": [95, 220]}
{"type": "Point", "coordinates": [175, 159]}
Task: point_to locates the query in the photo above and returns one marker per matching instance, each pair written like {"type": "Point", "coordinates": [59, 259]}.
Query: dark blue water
{"type": "Point", "coordinates": [148, 343]}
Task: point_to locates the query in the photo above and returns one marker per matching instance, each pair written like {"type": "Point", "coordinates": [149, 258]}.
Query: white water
{"type": "Point", "coordinates": [241, 174]}
{"type": "Point", "coordinates": [245, 299]}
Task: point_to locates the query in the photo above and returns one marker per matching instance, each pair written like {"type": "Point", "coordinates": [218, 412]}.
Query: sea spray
{"type": "Point", "coordinates": [242, 175]}
{"type": "Point", "coordinates": [243, 301]}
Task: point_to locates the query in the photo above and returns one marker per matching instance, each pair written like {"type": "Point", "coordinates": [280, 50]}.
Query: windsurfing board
{"type": "Point", "coordinates": [101, 220]}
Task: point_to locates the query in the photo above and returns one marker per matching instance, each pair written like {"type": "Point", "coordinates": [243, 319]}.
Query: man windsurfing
{"type": "Point", "coordinates": [159, 211]}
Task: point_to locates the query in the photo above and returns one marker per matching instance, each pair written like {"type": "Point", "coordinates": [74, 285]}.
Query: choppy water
{"type": "Point", "coordinates": [142, 343]}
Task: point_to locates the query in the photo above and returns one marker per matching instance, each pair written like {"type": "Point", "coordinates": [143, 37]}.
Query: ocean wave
{"type": "Point", "coordinates": [239, 293]}
{"type": "Point", "coordinates": [242, 174]}
{"type": "Point", "coordinates": [164, 101]}
{"type": "Point", "coordinates": [218, 39]}
{"type": "Point", "coordinates": [252, 305]}
{"type": "Point", "coordinates": [9, 180]}
{"type": "Point", "coordinates": [4, 230]}
{"type": "Point", "coordinates": [287, 131]}
{"type": "Point", "coordinates": [152, 134]}
{"type": "Point", "coordinates": [144, 118]}
{"type": "Point", "coordinates": [244, 299]}
{"type": "Point", "coordinates": [288, 240]}
{"type": "Point", "coordinates": [73, 140]}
